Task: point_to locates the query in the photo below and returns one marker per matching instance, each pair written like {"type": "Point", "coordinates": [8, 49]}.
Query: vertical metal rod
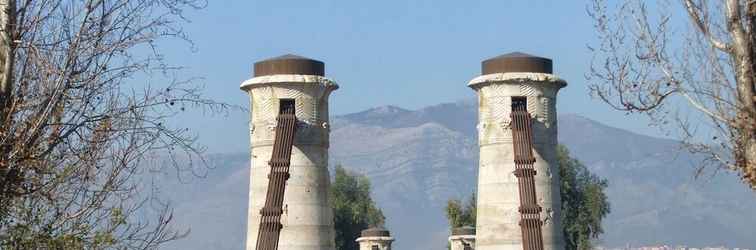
{"type": "Point", "coordinates": [270, 222]}
{"type": "Point", "coordinates": [522, 138]}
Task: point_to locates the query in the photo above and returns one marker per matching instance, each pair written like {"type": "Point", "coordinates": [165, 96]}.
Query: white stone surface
{"type": "Point", "coordinates": [382, 242]}
{"type": "Point", "coordinates": [307, 219]}
{"type": "Point", "coordinates": [457, 242]}
{"type": "Point", "coordinates": [517, 77]}
{"type": "Point", "coordinates": [497, 226]}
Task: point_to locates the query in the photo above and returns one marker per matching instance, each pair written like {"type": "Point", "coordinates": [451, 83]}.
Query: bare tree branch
{"type": "Point", "coordinates": [77, 129]}
{"type": "Point", "coordinates": [641, 65]}
{"type": "Point", "coordinates": [702, 25]}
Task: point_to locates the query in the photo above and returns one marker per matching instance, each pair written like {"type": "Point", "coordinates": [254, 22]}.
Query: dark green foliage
{"type": "Point", "coordinates": [584, 203]}
{"type": "Point", "coordinates": [459, 214]}
{"type": "Point", "coordinates": [353, 209]}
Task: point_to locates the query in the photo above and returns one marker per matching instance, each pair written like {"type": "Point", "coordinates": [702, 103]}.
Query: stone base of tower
{"type": "Point", "coordinates": [498, 218]}
{"type": "Point", "coordinates": [513, 245]}
{"type": "Point", "coordinates": [307, 219]}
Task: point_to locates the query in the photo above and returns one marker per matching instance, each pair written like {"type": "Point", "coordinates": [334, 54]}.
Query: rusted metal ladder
{"type": "Point", "coordinates": [522, 137]}
{"type": "Point", "coordinates": [270, 221]}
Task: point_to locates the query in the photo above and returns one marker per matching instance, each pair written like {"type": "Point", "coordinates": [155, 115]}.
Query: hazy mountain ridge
{"type": "Point", "coordinates": [417, 160]}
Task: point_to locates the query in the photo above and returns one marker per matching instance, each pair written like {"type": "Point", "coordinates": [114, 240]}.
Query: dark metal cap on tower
{"type": "Point", "coordinates": [289, 64]}
{"type": "Point", "coordinates": [517, 62]}
{"type": "Point", "coordinates": [466, 230]}
{"type": "Point", "coordinates": [375, 232]}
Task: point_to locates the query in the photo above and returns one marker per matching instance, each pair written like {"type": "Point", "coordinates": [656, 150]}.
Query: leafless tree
{"type": "Point", "coordinates": [689, 66]}
{"type": "Point", "coordinates": [79, 121]}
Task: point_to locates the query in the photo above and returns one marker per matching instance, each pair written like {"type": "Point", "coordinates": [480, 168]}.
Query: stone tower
{"type": "Point", "coordinates": [523, 78]}
{"type": "Point", "coordinates": [307, 218]}
{"type": "Point", "coordinates": [375, 239]}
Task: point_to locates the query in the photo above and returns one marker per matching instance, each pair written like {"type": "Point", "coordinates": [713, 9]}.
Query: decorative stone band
{"type": "Point", "coordinates": [467, 237]}
{"type": "Point", "coordinates": [307, 134]}
{"type": "Point", "coordinates": [299, 143]}
{"type": "Point", "coordinates": [375, 238]}
{"type": "Point", "coordinates": [506, 138]}
{"type": "Point", "coordinates": [515, 77]}
{"type": "Point", "coordinates": [312, 129]}
{"type": "Point", "coordinates": [279, 79]}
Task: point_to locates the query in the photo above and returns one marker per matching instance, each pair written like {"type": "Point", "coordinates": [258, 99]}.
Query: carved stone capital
{"type": "Point", "coordinates": [505, 122]}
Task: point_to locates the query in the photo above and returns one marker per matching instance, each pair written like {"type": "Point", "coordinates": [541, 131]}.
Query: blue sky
{"type": "Point", "coordinates": [405, 53]}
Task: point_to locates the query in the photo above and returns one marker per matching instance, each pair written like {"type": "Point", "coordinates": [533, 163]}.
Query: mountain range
{"type": "Point", "coordinates": [418, 159]}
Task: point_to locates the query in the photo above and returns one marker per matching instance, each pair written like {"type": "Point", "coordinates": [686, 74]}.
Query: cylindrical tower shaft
{"type": "Point", "coordinates": [307, 218]}
{"type": "Point", "coordinates": [516, 79]}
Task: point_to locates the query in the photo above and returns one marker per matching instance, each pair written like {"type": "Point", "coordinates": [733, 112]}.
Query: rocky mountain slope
{"type": "Point", "coordinates": [418, 159]}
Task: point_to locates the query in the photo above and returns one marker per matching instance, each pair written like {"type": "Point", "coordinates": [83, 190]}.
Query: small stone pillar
{"type": "Point", "coordinates": [375, 239]}
{"type": "Point", "coordinates": [462, 238]}
{"type": "Point", "coordinates": [307, 217]}
{"type": "Point", "coordinates": [524, 78]}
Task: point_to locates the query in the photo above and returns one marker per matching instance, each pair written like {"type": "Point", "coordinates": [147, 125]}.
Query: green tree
{"type": "Point", "coordinates": [584, 203]}
{"type": "Point", "coordinates": [353, 209]}
{"type": "Point", "coordinates": [460, 214]}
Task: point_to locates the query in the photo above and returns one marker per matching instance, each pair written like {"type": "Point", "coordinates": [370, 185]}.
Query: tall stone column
{"type": "Point", "coordinates": [307, 218]}
{"type": "Point", "coordinates": [521, 77]}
